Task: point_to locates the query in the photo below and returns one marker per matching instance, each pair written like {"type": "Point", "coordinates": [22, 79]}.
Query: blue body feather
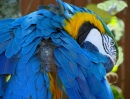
{"type": "Point", "coordinates": [80, 68]}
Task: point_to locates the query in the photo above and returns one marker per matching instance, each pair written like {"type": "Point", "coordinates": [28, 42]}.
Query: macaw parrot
{"type": "Point", "coordinates": [57, 52]}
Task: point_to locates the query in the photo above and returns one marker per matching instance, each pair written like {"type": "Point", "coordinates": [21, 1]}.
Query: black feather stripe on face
{"type": "Point", "coordinates": [84, 31]}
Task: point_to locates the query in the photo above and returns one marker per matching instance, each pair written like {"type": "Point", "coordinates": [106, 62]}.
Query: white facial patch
{"type": "Point", "coordinates": [104, 43]}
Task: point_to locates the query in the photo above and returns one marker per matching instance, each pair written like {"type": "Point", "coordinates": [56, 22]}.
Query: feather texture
{"type": "Point", "coordinates": [28, 47]}
{"type": "Point", "coordinates": [90, 73]}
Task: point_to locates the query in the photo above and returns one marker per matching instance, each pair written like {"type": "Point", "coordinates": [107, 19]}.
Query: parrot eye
{"type": "Point", "coordinates": [109, 45]}
{"type": "Point", "coordinates": [112, 42]}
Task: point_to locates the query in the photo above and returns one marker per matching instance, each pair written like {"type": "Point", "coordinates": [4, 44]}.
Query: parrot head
{"type": "Point", "coordinates": [89, 30]}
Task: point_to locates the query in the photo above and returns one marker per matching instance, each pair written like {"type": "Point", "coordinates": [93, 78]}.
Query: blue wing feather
{"type": "Point", "coordinates": [48, 32]}
{"type": "Point", "coordinates": [28, 22]}
{"type": "Point", "coordinates": [18, 33]}
{"type": "Point", "coordinates": [57, 41]}
{"type": "Point", "coordinates": [2, 85]}
{"type": "Point", "coordinates": [22, 37]}
{"type": "Point", "coordinates": [7, 66]}
{"type": "Point", "coordinates": [2, 59]}
{"type": "Point", "coordinates": [8, 51]}
{"type": "Point", "coordinates": [46, 13]}
{"type": "Point", "coordinates": [10, 69]}
{"type": "Point", "coordinates": [31, 77]}
{"type": "Point", "coordinates": [27, 30]}
{"type": "Point", "coordinates": [5, 25]}
{"type": "Point", "coordinates": [5, 33]}
{"type": "Point", "coordinates": [80, 70]}
{"type": "Point", "coordinates": [58, 19]}
{"type": "Point", "coordinates": [32, 51]}
{"type": "Point", "coordinates": [83, 84]}
{"type": "Point", "coordinates": [15, 47]}
{"type": "Point", "coordinates": [3, 46]}
{"type": "Point", "coordinates": [55, 24]}
{"type": "Point", "coordinates": [26, 49]}
{"type": "Point", "coordinates": [66, 80]}
{"type": "Point", "coordinates": [90, 68]}
{"type": "Point", "coordinates": [73, 93]}
{"type": "Point", "coordinates": [5, 36]}
{"type": "Point", "coordinates": [47, 23]}
{"type": "Point", "coordinates": [69, 54]}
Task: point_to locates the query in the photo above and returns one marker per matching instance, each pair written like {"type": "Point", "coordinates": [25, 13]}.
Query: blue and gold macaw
{"type": "Point", "coordinates": [57, 52]}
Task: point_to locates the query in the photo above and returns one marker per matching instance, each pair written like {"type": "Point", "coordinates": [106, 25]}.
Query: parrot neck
{"type": "Point", "coordinates": [94, 33]}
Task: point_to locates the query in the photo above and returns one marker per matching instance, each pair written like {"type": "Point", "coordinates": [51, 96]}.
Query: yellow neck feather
{"type": "Point", "coordinates": [73, 24]}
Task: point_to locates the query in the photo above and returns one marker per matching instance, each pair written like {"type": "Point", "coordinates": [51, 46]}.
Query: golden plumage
{"type": "Point", "coordinates": [57, 94]}
{"type": "Point", "coordinates": [75, 22]}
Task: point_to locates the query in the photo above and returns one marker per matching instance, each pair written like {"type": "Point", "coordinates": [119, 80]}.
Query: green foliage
{"type": "Point", "coordinates": [117, 26]}
{"type": "Point", "coordinates": [9, 8]}
{"type": "Point", "coordinates": [117, 92]}
{"type": "Point", "coordinates": [112, 6]}
{"type": "Point", "coordinates": [121, 56]}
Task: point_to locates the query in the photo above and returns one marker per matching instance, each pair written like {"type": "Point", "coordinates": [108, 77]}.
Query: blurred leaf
{"type": "Point", "coordinates": [103, 14]}
{"type": "Point", "coordinates": [117, 92]}
{"type": "Point", "coordinates": [121, 56]}
{"type": "Point", "coordinates": [117, 26]}
{"type": "Point", "coordinates": [115, 68]}
{"type": "Point", "coordinates": [112, 6]}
